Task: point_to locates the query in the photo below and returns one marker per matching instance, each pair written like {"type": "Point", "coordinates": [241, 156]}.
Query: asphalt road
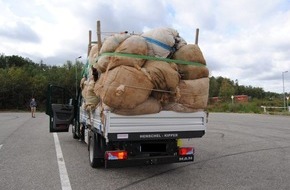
{"type": "Point", "coordinates": [239, 151]}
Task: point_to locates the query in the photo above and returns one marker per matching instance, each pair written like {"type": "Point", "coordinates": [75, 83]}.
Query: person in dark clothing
{"type": "Point", "coordinates": [33, 105]}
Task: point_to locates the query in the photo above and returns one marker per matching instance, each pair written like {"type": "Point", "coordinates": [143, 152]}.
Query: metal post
{"type": "Point", "coordinates": [77, 75]}
{"type": "Point", "coordinates": [284, 89]}
{"type": "Point", "coordinates": [288, 107]}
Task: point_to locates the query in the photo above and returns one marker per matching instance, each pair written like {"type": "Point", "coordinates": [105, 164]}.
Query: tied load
{"type": "Point", "coordinates": [145, 74]}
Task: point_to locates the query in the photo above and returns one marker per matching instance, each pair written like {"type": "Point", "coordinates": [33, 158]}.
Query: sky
{"type": "Point", "coordinates": [243, 40]}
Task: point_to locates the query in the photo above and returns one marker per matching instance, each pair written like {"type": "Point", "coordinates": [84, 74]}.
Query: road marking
{"type": "Point", "coordinates": [64, 179]}
{"type": "Point", "coordinates": [1, 146]}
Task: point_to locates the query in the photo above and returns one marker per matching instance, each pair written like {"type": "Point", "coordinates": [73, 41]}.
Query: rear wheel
{"type": "Point", "coordinates": [75, 128]}
{"type": "Point", "coordinates": [82, 132]}
{"type": "Point", "coordinates": [96, 150]}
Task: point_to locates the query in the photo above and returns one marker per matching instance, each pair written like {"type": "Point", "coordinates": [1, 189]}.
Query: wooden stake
{"type": "Point", "coordinates": [99, 35]}
{"type": "Point", "coordinates": [196, 36]}
{"type": "Point", "coordinates": [90, 42]}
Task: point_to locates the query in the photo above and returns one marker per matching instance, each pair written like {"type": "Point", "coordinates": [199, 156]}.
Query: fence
{"type": "Point", "coordinates": [273, 107]}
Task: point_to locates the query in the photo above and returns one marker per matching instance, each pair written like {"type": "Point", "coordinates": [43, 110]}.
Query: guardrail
{"type": "Point", "coordinates": [274, 107]}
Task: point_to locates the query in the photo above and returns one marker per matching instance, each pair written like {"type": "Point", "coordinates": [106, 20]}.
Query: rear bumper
{"type": "Point", "coordinates": [148, 161]}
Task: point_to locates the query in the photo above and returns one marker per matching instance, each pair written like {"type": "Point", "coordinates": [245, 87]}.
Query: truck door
{"type": "Point", "coordinates": [60, 106]}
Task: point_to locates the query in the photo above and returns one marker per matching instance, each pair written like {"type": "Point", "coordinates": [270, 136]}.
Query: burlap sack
{"type": "Point", "coordinates": [150, 106]}
{"type": "Point", "coordinates": [191, 72]}
{"type": "Point", "coordinates": [194, 93]}
{"type": "Point", "coordinates": [112, 42]}
{"type": "Point", "coordinates": [102, 63]}
{"type": "Point", "coordinates": [82, 83]}
{"type": "Point", "coordinates": [84, 89]}
{"type": "Point", "coordinates": [190, 52]}
{"type": "Point", "coordinates": [179, 42]}
{"type": "Point", "coordinates": [91, 100]}
{"type": "Point", "coordinates": [90, 97]}
{"type": "Point", "coordinates": [162, 74]}
{"type": "Point", "coordinates": [165, 36]}
{"type": "Point", "coordinates": [123, 87]}
{"type": "Point", "coordinates": [162, 97]}
{"type": "Point", "coordinates": [132, 45]}
{"type": "Point", "coordinates": [93, 54]}
{"type": "Point", "coordinates": [177, 107]}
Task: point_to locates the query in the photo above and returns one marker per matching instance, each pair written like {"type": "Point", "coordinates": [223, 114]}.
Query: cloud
{"type": "Point", "coordinates": [243, 39]}
{"type": "Point", "coordinates": [20, 32]}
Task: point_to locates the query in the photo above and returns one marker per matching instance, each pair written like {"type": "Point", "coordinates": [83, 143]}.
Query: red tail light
{"type": "Point", "coordinates": [183, 151]}
{"type": "Point", "coordinates": [116, 155]}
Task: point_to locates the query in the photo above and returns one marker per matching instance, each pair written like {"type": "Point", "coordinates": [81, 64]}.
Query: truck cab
{"type": "Point", "coordinates": [61, 108]}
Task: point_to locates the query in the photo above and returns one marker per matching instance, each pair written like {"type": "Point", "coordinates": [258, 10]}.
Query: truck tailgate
{"type": "Point", "coordinates": [162, 125]}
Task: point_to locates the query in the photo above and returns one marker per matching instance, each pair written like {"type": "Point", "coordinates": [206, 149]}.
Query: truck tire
{"type": "Point", "coordinates": [75, 129]}
{"type": "Point", "coordinates": [96, 150]}
{"type": "Point", "coordinates": [82, 132]}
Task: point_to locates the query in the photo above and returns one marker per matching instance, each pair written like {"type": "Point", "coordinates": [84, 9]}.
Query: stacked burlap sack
{"type": "Point", "coordinates": [144, 74]}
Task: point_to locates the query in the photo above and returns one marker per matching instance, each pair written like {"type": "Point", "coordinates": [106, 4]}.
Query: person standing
{"type": "Point", "coordinates": [33, 105]}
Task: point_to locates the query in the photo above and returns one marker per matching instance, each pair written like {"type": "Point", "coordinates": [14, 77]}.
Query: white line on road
{"type": "Point", "coordinates": [65, 183]}
{"type": "Point", "coordinates": [1, 146]}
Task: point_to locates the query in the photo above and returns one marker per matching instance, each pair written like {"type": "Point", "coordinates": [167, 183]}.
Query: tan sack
{"type": "Point", "coordinates": [163, 35]}
{"type": "Point", "coordinates": [123, 87]}
{"type": "Point", "coordinates": [179, 42]}
{"type": "Point", "coordinates": [112, 42]}
{"type": "Point", "coordinates": [85, 89]}
{"type": "Point", "coordinates": [82, 83]}
{"type": "Point", "coordinates": [150, 106]}
{"type": "Point", "coordinates": [102, 63]}
{"type": "Point", "coordinates": [177, 107]}
{"type": "Point", "coordinates": [190, 52]}
{"type": "Point", "coordinates": [163, 75]}
{"type": "Point", "coordinates": [91, 98]}
{"type": "Point", "coordinates": [194, 93]}
{"type": "Point", "coordinates": [93, 54]}
{"type": "Point", "coordinates": [191, 72]}
{"type": "Point", "coordinates": [132, 45]}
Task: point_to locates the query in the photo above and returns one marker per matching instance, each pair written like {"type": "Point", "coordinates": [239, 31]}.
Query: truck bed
{"type": "Point", "coordinates": [162, 125]}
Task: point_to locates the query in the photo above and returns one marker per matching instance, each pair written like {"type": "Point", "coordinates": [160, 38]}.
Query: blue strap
{"type": "Point", "coordinates": [156, 42]}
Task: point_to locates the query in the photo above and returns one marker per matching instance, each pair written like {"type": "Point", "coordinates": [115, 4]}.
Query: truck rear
{"type": "Point", "coordinates": [141, 139]}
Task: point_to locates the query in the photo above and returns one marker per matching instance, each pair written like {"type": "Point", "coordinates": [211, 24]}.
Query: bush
{"type": "Point", "coordinates": [251, 107]}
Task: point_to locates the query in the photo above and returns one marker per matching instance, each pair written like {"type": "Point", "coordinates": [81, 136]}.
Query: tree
{"type": "Point", "coordinates": [226, 90]}
{"type": "Point", "coordinates": [214, 87]}
{"type": "Point", "coordinates": [20, 79]}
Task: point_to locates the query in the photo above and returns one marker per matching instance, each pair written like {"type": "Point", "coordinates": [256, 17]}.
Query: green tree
{"type": "Point", "coordinates": [226, 90]}
{"type": "Point", "coordinates": [214, 87]}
